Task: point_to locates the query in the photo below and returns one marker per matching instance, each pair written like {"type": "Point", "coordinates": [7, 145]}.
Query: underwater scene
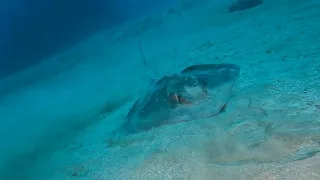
{"type": "Point", "coordinates": [160, 90]}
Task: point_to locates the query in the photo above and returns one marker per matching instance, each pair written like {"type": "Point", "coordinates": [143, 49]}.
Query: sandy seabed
{"type": "Point", "coordinates": [57, 116]}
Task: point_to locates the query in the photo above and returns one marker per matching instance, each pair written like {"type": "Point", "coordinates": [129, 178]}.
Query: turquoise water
{"type": "Point", "coordinates": [57, 118]}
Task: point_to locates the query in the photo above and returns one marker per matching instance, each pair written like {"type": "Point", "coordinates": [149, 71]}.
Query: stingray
{"type": "Point", "coordinates": [196, 92]}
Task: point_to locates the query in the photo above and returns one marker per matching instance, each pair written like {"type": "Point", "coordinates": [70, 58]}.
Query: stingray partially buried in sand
{"type": "Point", "coordinates": [196, 92]}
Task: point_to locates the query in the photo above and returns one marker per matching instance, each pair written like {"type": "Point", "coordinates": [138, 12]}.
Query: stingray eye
{"type": "Point", "coordinates": [183, 100]}
{"type": "Point", "coordinates": [175, 98]}
{"type": "Point", "coordinates": [178, 99]}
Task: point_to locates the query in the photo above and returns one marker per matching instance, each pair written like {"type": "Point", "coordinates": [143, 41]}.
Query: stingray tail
{"type": "Point", "coordinates": [152, 74]}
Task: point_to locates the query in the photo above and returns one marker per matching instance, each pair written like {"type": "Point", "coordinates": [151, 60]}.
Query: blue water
{"type": "Point", "coordinates": [34, 30]}
{"type": "Point", "coordinates": [70, 73]}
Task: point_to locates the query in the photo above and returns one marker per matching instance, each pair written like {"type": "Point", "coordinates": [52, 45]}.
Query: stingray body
{"type": "Point", "coordinates": [196, 92]}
